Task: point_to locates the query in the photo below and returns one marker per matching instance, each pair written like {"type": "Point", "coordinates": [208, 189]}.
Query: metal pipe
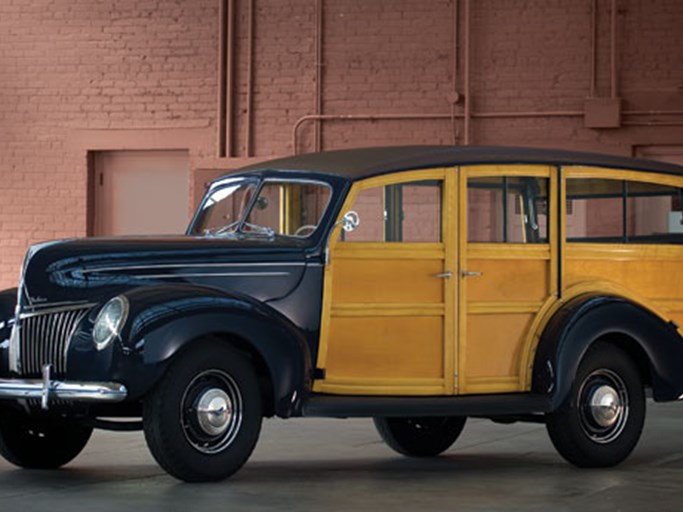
{"type": "Point", "coordinates": [653, 112]}
{"type": "Point", "coordinates": [652, 123]}
{"type": "Point", "coordinates": [423, 116]}
{"type": "Point", "coordinates": [318, 72]}
{"type": "Point", "coordinates": [481, 115]}
{"type": "Point", "coordinates": [230, 79]}
{"type": "Point", "coordinates": [250, 79]}
{"type": "Point", "coordinates": [594, 48]}
{"type": "Point", "coordinates": [220, 72]}
{"type": "Point", "coordinates": [454, 76]}
{"type": "Point", "coordinates": [613, 50]}
{"type": "Point", "coordinates": [468, 102]}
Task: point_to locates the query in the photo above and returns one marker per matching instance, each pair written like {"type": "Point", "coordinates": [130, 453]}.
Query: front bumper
{"type": "Point", "coordinates": [46, 389]}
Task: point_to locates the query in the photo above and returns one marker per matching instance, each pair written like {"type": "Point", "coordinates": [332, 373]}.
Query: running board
{"type": "Point", "coordinates": [472, 405]}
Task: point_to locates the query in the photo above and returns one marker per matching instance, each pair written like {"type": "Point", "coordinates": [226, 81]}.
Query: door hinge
{"type": "Point", "coordinates": [319, 374]}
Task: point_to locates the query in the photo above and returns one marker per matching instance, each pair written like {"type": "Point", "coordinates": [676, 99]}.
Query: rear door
{"type": "Point", "coordinates": [508, 271]}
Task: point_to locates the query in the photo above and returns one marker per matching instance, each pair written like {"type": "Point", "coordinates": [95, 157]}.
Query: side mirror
{"type": "Point", "coordinates": [350, 221]}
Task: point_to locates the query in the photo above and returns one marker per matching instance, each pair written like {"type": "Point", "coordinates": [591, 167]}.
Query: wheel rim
{"type": "Point", "coordinates": [211, 411]}
{"type": "Point", "coordinates": [603, 406]}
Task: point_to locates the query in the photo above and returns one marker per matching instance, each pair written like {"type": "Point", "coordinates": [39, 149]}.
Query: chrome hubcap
{"type": "Point", "coordinates": [603, 406]}
{"type": "Point", "coordinates": [211, 411]}
{"type": "Point", "coordinates": [214, 411]}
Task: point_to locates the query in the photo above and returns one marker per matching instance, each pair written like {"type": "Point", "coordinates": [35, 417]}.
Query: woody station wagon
{"type": "Point", "coordinates": [416, 285]}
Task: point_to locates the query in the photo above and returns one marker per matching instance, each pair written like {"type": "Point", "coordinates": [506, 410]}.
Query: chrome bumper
{"type": "Point", "coordinates": [46, 389]}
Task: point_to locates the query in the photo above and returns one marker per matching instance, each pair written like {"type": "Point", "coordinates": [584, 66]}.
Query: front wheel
{"type": "Point", "coordinates": [203, 419]}
{"type": "Point", "coordinates": [602, 421]}
{"type": "Point", "coordinates": [40, 443]}
{"type": "Point", "coordinates": [420, 437]}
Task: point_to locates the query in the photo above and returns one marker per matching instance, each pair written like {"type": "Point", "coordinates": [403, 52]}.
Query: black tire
{"type": "Point", "coordinates": [420, 437]}
{"type": "Point", "coordinates": [197, 446]}
{"type": "Point", "coordinates": [38, 443]}
{"type": "Point", "coordinates": [600, 435]}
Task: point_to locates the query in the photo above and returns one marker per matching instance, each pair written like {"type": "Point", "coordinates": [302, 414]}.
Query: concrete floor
{"type": "Point", "coordinates": [323, 465]}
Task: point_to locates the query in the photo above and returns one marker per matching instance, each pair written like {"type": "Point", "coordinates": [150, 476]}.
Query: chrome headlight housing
{"type": "Point", "coordinates": [109, 322]}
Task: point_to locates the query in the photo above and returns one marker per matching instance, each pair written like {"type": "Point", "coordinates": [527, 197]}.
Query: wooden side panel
{"type": "Point", "coordinates": [653, 272]}
{"type": "Point", "coordinates": [390, 281]}
{"type": "Point", "coordinates": [501, 306]}
{"type": "Point", "coordinates": [386, 347]}
{"type": "Point", "coordinates": [496, 344]}
{"type": "Point", "coordinates": [508, 280]}
{"type": "Point", "coordinates": [387, 322]}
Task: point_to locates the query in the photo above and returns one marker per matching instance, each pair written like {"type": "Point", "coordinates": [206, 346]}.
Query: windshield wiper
{"type": "Point", "coordinates": [223, 230]}
{"type": "Point", "coordinates": [256, 229]}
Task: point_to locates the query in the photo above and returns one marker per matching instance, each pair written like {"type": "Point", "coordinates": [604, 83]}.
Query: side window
{"type": "Point", "coordinates": [405, 212]}
{"type": "Point", "coordinates": [507, 210]}
{"type": "Point", "coordinates": [618, 211]}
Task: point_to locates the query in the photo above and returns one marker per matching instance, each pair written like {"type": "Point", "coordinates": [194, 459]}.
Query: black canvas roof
{"type": "Point", "coordinates": [365, 162]}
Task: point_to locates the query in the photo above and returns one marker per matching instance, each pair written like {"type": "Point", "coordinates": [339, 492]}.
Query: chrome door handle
{"type": "Point", "coordinates": [467, 273]}
{"type": "Point", "coordinates": [444, 275]}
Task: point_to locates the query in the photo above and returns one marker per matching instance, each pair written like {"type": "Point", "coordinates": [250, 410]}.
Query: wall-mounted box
{"type": "Point", "coordinates": [602, 113]}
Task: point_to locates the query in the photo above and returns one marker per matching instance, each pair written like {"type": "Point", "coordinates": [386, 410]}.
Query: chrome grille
{"type": "Point", "coordinates": [44, 338]}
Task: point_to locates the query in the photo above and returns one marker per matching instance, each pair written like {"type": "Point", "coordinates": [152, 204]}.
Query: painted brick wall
{"type": "Point", "coordinates": [71, 65]}
{"type": "Point", "coordinates": [80, 75]}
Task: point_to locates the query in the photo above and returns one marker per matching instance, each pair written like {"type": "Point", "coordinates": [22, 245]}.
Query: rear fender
{"type": "Point", "coordinates": [655, 345]}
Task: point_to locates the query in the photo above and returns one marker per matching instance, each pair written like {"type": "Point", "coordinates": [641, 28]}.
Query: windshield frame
{"type": "Point", "coordinates": [261, 182]}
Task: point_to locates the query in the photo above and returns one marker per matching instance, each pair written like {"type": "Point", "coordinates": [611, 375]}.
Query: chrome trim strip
{"type": "Point", "coordinates": [194, 265]}
{"type": "Point", "coordinates": [212, 274]}
{"type": "Point", "coordinates": [63, 390]}
{"type": "Point", "coordinates": [60, 309]}
{"type": "Point", "coordinates": [52, 305]}
{"type": "Point", "coordinates": [14, 350]}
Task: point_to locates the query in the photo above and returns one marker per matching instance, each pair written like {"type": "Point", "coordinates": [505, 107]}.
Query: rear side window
{"type": "Point", "coordinates": [620, 211]}
{"type": "Point", "coordinates": [507, 210]}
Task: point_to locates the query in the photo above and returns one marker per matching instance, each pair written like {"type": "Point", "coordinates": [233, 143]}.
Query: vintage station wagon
{"type": "Point", "coordinates": [416, 285]}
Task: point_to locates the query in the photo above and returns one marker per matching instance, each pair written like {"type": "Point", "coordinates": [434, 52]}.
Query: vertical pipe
{"type": "Point", "coordinates": [318, 72]}
{"type": "Point", "coordinates": [467, 71]}
{"type": "Point", "coordinates": [230, 79]}
{"type": "Point", "coordinates": [250, 78]}
{"type": "Point", "coordinates": [613, 49]}
{"type": "Point", "coordinates": [220, 73]}
{"type": "Point", "coordinates": [454, 76]}
{"type": "Point", "coordinates": [594, 47]}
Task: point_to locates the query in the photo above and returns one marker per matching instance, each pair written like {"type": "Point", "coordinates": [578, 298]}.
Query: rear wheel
{"type": "Point", "coordinates": [420, 437]}
{"type": "Point", "coordinates": [203, 419]}
{"type": "Point", "coordinates": [601, 423]}
{"type": "Point", "coordinates": [40, 443]}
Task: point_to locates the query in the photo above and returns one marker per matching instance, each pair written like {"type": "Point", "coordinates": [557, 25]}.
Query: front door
{"type": "Point", "coordinates": [388, 324]}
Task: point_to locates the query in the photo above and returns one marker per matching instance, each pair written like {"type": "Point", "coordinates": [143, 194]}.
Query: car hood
{"type": "Point", "coordinates": [93, 269]}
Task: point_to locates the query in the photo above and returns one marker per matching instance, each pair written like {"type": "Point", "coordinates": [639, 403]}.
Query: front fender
{"type": "Point", "coordinates": [654, 344]}
{"type": "Point", "coordinates": [167, 319]}
{"type": "Point", "coordinates": [8, 302]}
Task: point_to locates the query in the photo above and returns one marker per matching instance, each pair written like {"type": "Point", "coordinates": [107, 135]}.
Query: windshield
{"type": "Point", "coordinates": [286, 208]}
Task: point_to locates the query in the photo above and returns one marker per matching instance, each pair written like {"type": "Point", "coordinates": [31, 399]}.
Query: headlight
{"type": "Point", "coordinates": [109, 322]}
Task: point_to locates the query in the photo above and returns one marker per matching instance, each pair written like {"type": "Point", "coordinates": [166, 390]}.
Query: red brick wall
{"type": "Point", "coordinates": [80, 75]}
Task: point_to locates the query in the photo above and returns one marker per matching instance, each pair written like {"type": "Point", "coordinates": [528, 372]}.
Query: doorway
{"type": "Point", "coordinates": [139, 192]}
